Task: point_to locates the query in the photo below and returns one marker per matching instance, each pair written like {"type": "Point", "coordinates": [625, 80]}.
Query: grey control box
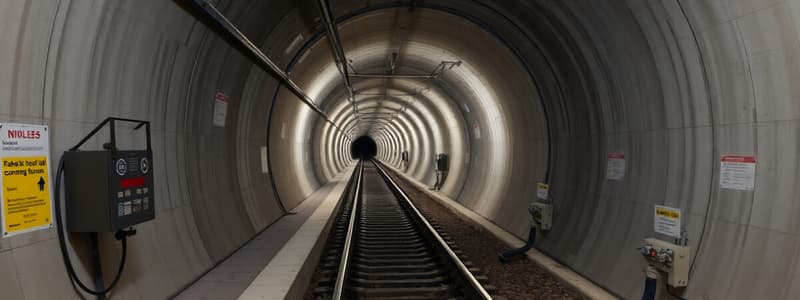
{"type": "Point", "coordinates": [108, 190]}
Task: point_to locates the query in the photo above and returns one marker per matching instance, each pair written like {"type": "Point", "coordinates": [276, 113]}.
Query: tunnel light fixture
{"type": "Point", "coordinates": [295, 42]}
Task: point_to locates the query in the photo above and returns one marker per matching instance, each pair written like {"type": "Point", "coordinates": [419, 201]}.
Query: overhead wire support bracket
{"type": "Point", "coordinates": [443, 66]}
{"type": "Point", "coordinates": [336, 47]}
{"type": "Point", "coordinates": [410, 76]}
{"type": "Point", "coordinates": [207, 14]}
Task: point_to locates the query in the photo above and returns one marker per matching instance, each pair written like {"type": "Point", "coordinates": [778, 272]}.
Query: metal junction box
{"type": "Point", "coordinates": [108, 190]}
{"type": "Point", "coordinates": [669, 258]}
{"type": "Point", "coordinates": [542, 214]}
{"type": "Point", "coordinates": [442, 162]}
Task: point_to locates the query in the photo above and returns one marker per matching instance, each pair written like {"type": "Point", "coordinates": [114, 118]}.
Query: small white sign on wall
{"type": "Point", "coordinates": [476, 129]}
{"type": "Point", "coordinates": [668, 221]}
{"type": "Point", "coordinates": [264, 160]}
{"type": "Point", "coordinates": [737, 172]}
{"type": "Point", "coordinates": [220, 109]}
{"type": "Point", "coordinates": [615, 168]}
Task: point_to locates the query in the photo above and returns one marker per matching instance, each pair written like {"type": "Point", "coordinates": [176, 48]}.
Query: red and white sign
{"type": "Point", "coordinates": [615, 167]}
{"type": "Point", "coordinates": [220, 109]}
{"type": "Point", "coordinates": [476, 129]}
{"type": "Point", "coordinates": [24, 139]}
{"type": "Point", "coordinates": [737, 172]}
{"type": "Point", "coordinates": [23, 134]}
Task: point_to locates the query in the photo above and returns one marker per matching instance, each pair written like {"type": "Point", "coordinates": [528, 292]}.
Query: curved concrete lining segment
{"type": "Point", "coordinates": [542, 91]}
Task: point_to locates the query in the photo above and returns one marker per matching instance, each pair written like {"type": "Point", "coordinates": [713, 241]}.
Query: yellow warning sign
{"type": "Point", "coordinates": [668, 221]}
{"type": "Point", "coordinates": [668, 212]}
{"type": "Point", "coordinates": [26, 193]}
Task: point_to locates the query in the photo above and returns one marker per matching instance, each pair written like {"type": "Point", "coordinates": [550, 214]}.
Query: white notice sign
{"type": "Point", "coordinates": [668, 221]}
{"type": "Point", "coordinates": [220, 109]}
{"type": "Point", "coordinates": [738, 172]}
{"type": "Point", "coordinates": [264, 160]}
{"type": "Point", "coordinates": [615, 169]}
{"type": "Point", "coordinates": [476, 129]}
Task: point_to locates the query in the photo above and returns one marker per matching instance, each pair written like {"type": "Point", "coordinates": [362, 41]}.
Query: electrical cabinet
{"type": "Point", "coordinates": [442, 163]}
{"type": "Point", "coordinates": [111, 189]}
{"type": "Point", "coordinates": [542, 214]}
{"type": "Point", "coordinates": [669, 258]}
{"type": "Point", "coordinates": [108, 190]}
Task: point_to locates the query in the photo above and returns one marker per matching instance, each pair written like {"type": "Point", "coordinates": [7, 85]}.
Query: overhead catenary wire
{"type": "Point", "coordinates": [334, 40]}
{"type": "Point", "coordinates": [207, 14]}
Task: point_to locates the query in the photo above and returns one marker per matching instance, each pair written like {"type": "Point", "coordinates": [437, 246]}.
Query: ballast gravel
{"type": "Point", "coordinates": [518, 279]}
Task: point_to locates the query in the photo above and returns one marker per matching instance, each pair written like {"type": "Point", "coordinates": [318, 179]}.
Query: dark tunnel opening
{"type": "Point", "coordinates": [363, 147]}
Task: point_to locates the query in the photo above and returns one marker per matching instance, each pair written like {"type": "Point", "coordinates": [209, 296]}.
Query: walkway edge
{"type": "Point", "coordinates": [288, 273]}
{"type": "Point", "coordinates": [569, 277]}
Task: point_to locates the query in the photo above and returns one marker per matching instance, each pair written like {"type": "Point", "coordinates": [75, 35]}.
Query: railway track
{"type": "Point", "coordinates": [383, 247]}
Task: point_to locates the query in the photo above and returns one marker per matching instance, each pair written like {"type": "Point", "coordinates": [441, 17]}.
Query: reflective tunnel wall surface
{"type": "Point", "coordinates": [70, 64]}
{"type": "Point", "coordinates": [542, 90]}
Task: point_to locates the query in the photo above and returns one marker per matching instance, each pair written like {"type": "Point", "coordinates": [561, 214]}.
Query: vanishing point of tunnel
{"type": "Point", "coordinates": [387, 149]}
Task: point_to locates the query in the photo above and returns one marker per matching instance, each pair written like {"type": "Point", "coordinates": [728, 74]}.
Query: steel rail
{"type": "Point", "coordinates": [344, 262]}
{"type": "Point", "coordinates": [464, 270]}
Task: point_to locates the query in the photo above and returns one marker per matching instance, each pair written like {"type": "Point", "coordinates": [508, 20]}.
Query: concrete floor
{"type": "Point", "coordinates": [230, 278]}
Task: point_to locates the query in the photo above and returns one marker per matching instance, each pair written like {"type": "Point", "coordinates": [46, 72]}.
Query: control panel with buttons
{"type": "Point", "coordinates": [108, 190]}
{"type": "Point", "coordinates": [669, 258]}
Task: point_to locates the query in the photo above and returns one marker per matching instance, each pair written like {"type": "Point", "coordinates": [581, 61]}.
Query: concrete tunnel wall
{"type": "Point", "coordinates": [672, 84]}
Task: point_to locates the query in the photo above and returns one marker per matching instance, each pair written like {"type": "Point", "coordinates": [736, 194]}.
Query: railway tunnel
{"type": "Point", "coordinates": [650, 124]}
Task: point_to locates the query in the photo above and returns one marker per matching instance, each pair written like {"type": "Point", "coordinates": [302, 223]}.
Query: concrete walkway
{"type": "Point", "coordinates": [232, 277]}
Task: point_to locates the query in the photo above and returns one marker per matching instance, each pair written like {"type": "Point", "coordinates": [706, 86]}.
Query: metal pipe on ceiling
{"type": "Point", "coordinates": [411, 76]}
{"type": "Point", "coordinates": [207, 14]}
{"type": "Point", "coordinates": [336, 46]}
{"type": "Point", "coordinates": [384, 94]}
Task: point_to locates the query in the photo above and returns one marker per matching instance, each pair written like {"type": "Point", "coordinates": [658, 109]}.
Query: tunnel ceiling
{"type": "Point", "coordinates": [400, 41]}
{"type": "Point", "coordinates": [455, 84]}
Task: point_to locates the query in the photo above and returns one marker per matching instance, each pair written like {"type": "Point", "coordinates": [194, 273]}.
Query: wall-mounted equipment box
{"type": "Point", "coordinates": [442, 162]}
{"type": "Point", "coordinates": [107, 191]}
{"type": "Point", "coordinates": [110, 189]}
{"type": "Point", "coordinates": [542, 214]}
{"type": "Point", "coordinates": [669, 258]}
